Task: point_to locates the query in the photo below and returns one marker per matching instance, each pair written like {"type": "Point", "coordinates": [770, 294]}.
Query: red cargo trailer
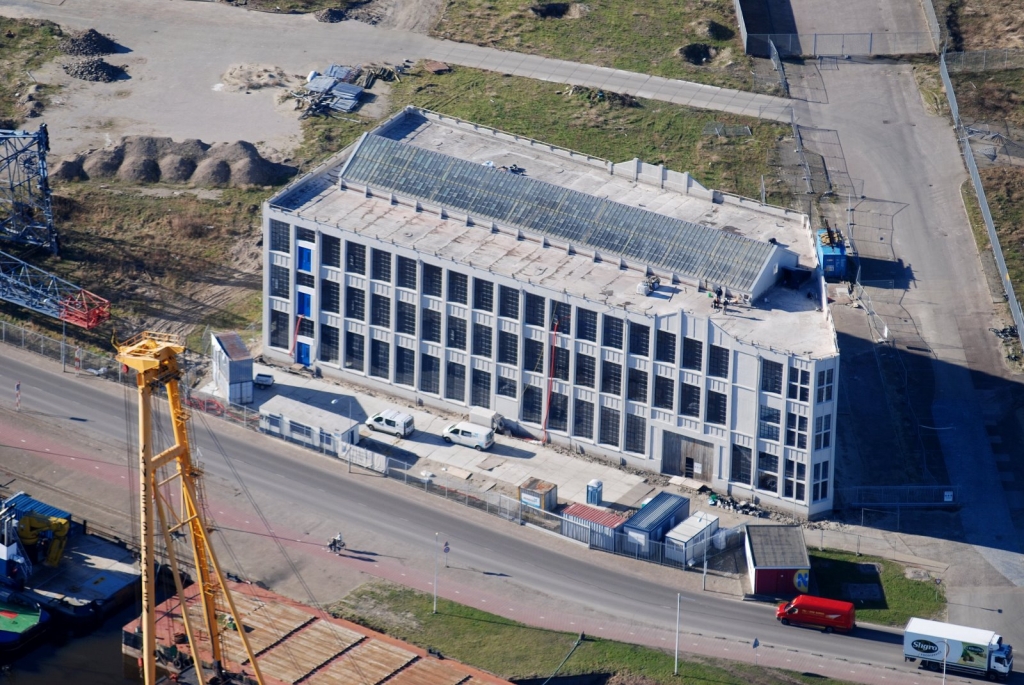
{"type": "Point", "coordinates": [830, 614]}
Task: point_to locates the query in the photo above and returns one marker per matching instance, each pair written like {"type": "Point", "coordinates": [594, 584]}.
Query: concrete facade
{"type": "Point", "coordinates": [734, 386]}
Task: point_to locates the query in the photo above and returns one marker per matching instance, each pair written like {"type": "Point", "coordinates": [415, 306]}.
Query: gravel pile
{"type": "Point", "coordinates": [93, 69]}
{"type": "Point", "coordinates": [330, 16]}
{"type": "Point", "coordinates": [87, 43]}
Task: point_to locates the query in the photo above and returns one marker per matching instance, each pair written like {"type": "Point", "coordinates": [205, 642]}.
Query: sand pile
{"type": "Point", "coordinates": [93, 69]}
{"type": "Point", "coordinates": [146, 159]}
{"type": "Point", "coordinates": [87, 43]}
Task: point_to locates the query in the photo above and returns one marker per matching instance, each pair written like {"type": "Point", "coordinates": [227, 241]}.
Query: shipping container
{"type": "Point", "coordinates": [539, 494]}
{"type": "Point", "coordinates": [653, 521]}
{"type": "Point", "coordinates": [689, 541]}
{"type": "Point", "coordinates": [596, 527]}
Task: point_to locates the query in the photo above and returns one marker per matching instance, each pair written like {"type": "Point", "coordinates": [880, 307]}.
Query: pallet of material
{"type": "Point", "coordinates": [370, 662]}
{"type": "Point", "coordinates": [298, 655]}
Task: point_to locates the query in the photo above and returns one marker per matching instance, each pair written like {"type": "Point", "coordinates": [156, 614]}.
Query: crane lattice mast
{"type": "Point", "coordinates": [154, 356]}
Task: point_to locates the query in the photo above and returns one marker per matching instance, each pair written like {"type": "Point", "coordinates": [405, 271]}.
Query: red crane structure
{"type": "Point", "coordinates": [31, 287]}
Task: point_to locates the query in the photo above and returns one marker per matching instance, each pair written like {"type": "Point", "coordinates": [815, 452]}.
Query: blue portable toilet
{"type": "Point", "coordinates": [595, 492]}
{"type": "Point", "coordinates": [650, 524]}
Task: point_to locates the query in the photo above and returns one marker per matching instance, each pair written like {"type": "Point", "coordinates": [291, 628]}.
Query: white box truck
{"type": "Point", "coordinates": [964, 650]}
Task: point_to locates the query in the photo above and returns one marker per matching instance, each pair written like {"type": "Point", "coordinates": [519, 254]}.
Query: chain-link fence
{"type": "Point", "coordinates": [841, 44]}
{"type": "Point", "coordinates": [984, 60]}
{"type": "Point", "coordinates": [979, 189]}
{"type": "Point", "coordinates": [780, 68]}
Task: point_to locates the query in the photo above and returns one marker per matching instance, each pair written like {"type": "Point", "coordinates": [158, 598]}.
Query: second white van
{"type": "Point", "coordinates": [469, 434]}
{"type": "Point", "coordinates": [392, 421]}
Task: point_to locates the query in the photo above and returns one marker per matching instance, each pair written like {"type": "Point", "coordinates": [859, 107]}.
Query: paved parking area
{"type": "Point", "coordinates": [510, 462]}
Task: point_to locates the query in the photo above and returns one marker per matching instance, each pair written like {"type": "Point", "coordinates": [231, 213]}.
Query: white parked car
{"type": "Point", "coordinates": [469, 434]}
{"type": "Point", "coordinates": [392, 421]}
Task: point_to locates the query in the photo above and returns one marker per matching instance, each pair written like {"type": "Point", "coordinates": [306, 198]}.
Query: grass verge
{"type": "Point", "coordinates": [644, 36]}
{"type": "Point", "coordinates": [902, 597]}
{"type": "Point", "coordinates": [994, 97]}
{"type": "Point", "coordinates": [25, 45]}
{"type": "Point", "coordinates": [516, 651]}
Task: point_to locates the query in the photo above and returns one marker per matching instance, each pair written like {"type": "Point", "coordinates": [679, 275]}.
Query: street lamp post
{"type": "Point", "coordinates": [945, 658]}
{"type": "Point", "coordinates": [436, 535]}
{"type": "Point", "coordinates": [679, 602]}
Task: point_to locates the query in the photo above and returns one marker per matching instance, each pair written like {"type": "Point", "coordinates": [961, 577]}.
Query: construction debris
{"type": "Point", "coordinates": [372, 73]}
{"type": "Point", "coordinates": [93, 69]}
{"type": "Point", "coordinates": [614, 99]}
{"type": "Point", "coordinates": [330, 16]}
{"type": "Point", "coordinates": [435, 67]}
{"type": "Point", "coordinates": [89, 43]}
{"type": "Point", "coordinates": [340, 88]}
{"type": "Point", "coordinates": [1007, 333]}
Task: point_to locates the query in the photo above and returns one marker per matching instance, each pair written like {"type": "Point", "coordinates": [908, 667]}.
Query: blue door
{"type": "Point", "coordinates": [305, 259]}
{"type": "Point", "coordinates": [304, 304]}
{"type": "Point", "coordinates": [302, 353]}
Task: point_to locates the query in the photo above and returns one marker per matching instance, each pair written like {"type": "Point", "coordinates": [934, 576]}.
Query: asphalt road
{"type": "Point", "coordinates": [388, 517]}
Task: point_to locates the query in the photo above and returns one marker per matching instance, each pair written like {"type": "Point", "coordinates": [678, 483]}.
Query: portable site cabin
{"type": "Point", "coordinates": [687, 542]}
{"type": "Point", "coordinates": [539, 494]}
{"type": "Point", "coordinates": [596, 527]}
{"type": "Point", "coordinates": [308, 426]}
{"type": "Point", "coordinates": [232, 367]}
{"type": "Point", "coordinates": [656, 518]}
{"type": "Point", "coordinates": [777, 560]}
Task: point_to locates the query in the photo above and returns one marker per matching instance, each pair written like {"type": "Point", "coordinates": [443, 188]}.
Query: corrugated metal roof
{"type": "Point", "coordinates": [656, 511]}
{"type": "Point", "coordinates": [697, 522]}
{"type": "Point", "coordinates": [23, 504]}
{"type": "Point", "coordinates": [572, 216]}
{"type": "Point", "coordinates": [598, 516]}
{"type": "Point", "coordinates": [778, 547]}
{"type": "Point", "coordinates": [233, 346]}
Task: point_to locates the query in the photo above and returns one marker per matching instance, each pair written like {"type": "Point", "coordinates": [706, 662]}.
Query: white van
{"type": "Point", "coordinates": [392, 421]}
{"type": "Point", "coordinates": [469, 434]}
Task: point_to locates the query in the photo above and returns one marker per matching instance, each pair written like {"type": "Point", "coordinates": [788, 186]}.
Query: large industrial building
{"type": "Point", "coordinates": [620, 309]}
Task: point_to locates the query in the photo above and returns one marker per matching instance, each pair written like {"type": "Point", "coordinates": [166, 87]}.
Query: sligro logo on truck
{"type": "Point", "coordinates": [924, 646]}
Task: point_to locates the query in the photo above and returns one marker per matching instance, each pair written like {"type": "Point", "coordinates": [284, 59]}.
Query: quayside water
{"type": "Point", "coordinates": [92, 659]}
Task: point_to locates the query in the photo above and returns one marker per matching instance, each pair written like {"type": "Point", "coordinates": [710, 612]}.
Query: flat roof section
{"type": "Point", "coordinates": [579, 218]}
{"type": "Point", "coordinates": [777, 547]}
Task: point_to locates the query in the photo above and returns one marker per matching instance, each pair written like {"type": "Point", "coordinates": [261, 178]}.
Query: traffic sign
{"type": "Point", "coordinates": [446, 547]}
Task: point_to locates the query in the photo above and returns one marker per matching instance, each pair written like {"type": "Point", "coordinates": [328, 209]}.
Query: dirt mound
{"type": "Point", "coordinates": [709, 28]}
{"type": "Point", "coordinates": [255, 77]}
{"type": "Point", "coordinates": [93, 69]}
{"type": "Point", "coordinates": [330, 16]}
{"type": "Point", "coordinates": [698, 53]}
{"type": "Point", "coordinates": [147, 159]}
{"type": "Point", "coordinates": [88, 43]}
{"type": "Point", "coordinates": [103, 163]}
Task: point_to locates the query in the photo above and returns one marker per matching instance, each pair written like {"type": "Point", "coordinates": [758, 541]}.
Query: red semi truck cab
{"type": "Point", "coordinates": [830, 614]}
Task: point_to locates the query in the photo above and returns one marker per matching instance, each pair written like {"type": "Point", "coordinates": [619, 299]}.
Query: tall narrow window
{"type": "Point", "coordinates": [381, 266]}
{"type": "Point", "coordinates": [586, 373]}
{"type": "Point", "coordinates": [405, 318]}
{"type": "Point", "coordinates": [483, 295]}
{"type": "Point", "coordinates": [482, 340]}
{"type": "Point", "coordinates": [432, 276]}
{"type": "Point", "coordinates": [508, 348]}
{"type": "Point", "coordinates": [822, 432]}
{"type": "Point", "coordinates": [329, 344]}
{"type": "Point", "coordinates": [771, 377]}
{"type": "Point", "coordinates": [458, 287]}
{"type": "Point", "coordinates": [330, 296]}
{"type": "Point", "coordinates": [608, 431]}
{"type": "Point", "coordinates": [664, 392]}
{"type": "Point", "coordinates": [355, 303]}
{"type": "Point", "coordinates": [406, 273]}
{"type": "Point", "coordinates": [689, 400]}
{"type": "Point", "coordinates": [330, 251]}
{"type": "Point", "coordinates": [354, 351]}
{"type": "Point", "coordinates": [824, 392]}
{"type": "Point", "coordinates": [639, 339]}
{"type": "Point", "coordinates": [636, 385]}
{"type": "Point", "coordinates": [534, 310]}
{"type": "Point", "coordinates": [430, 374]}
{"type": "Point", "coordinates": [820, 482]}
{"type": "Point", "coordinates": [533, 356]}
{"type": "Point", "coordinates": [405, 366]}
{"type": "Point", "coordinates": [456, 333]}
{"type": "Point", "coordinates": [796, 431]}
{"type": "Point", "coordinates": [740, 467]}
{"type": "Point", "coordinates": [769, 420]}
{"type": "Point", "coordinates": [799, 384]}
{"type": "Point", "coordinates": [693, 354]}
{"type": "Point", "coordinates": [558, 412]}
{"type": "Point", "coordinates": [611, 377]}
{"type": "Point", "coordinates": [611, 336]}
{"type": "Point", "coordinates": [431, 326]}
{"type": "Point", "coordinates": [583, 419]}
{"type": "Point", "coordinates": [280, 236]}
{"type": "Point", "coordinates": [665, 347]}
{"type": "Point", "coordinates": [718, 362]}
{"type": "Point", "coordinates": [560, 363]}
{"type": "Point", "coordinates": [380, 310]}
{"type": "Point", "coordinates": [279, 331]}
{"type": "Point", "coordinates": [305, 235]}
{"type": "Point", "coordinates": [533, 404]}
{"type": "Point", "coordinates": [380, 356]}
{"type": "Point", "coordinates": [455, 382]}
{"type": "Point", "coordinates": [561, 317]}
{"type": "Point", "coordinates": [355, 258]}
{"type": "Point", "coordinates": [716, 411]}
{"type": "Point", "coordinates": [768, 472]}
{"type": "Point", "coordinates": [509, 302]}
{"type": "Point", "coordinates": [636, 434]}
{"type": "Point", "coordinates": [586, 324]}
{"type": "Point", "coordinates": [480, 389]}
{"type": "Point", "coordinates": [506, 387]}
{"type": "Point", "coordinates": [279, 286]}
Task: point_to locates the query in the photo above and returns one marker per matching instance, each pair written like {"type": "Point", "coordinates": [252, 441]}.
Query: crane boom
{"type": "Point", "coordinates": [154, 356]}
{"type": "Point", "coordinates": [38, 290]}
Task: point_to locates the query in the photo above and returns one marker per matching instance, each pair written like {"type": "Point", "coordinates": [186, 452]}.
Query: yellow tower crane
{"type": "Point", "coordinates": [154, 356]}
